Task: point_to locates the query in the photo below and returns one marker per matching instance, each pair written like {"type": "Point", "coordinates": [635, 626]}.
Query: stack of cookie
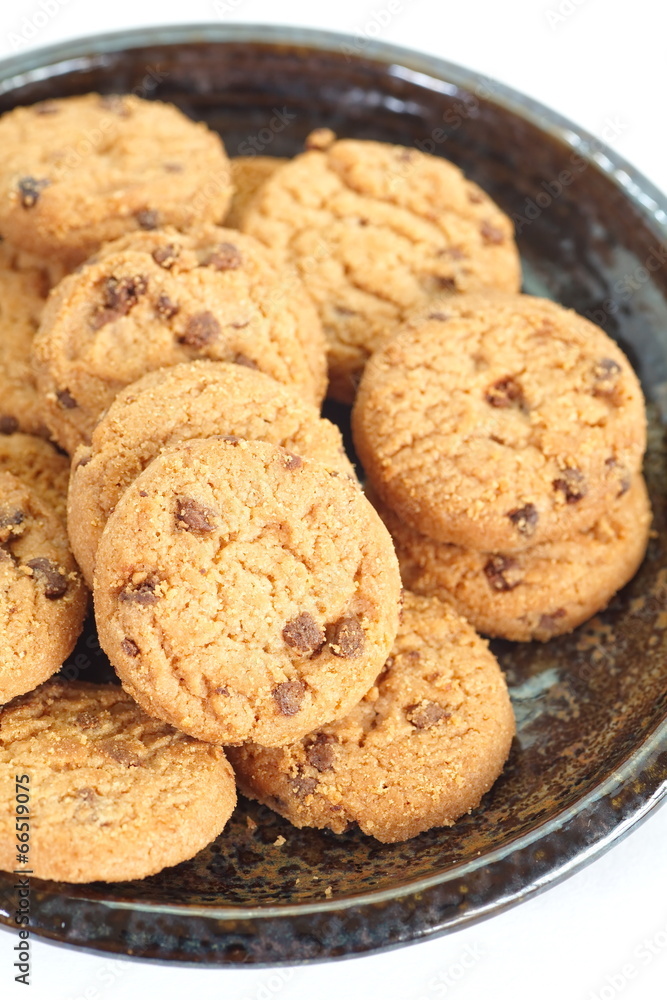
{"type": "Point", "coordinates": [246, 591]}
{"type": "Point", "coordinates": [503, 440]}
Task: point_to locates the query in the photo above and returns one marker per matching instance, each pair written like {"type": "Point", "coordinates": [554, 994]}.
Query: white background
{"type": "Point", "coordinates": [603, 933]}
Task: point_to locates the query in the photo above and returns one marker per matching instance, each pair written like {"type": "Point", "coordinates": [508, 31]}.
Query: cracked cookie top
{"type": "Point", "coordinates": [174, 404]}
{"type": "Point", "coordinates": [43, 600]}
{"type": "Point", "coordinates": [419, 750]}
{"type": "Point", "coordinates": [150, 300]}
{"type": "Point", "coordinates": [376, 230]}
{"type": "Point", "coordinates": [78, 171]}
{"type": "Point", "coordinates": [114, 794]}
{"type": "Point", "coordinates": [502, 422]}
{"type": "Point", "coordinates": [243, 592]}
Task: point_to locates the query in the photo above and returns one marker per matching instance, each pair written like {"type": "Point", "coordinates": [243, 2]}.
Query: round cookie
{"type": "Point", "coordinates": [195, 400]}
{"type": "Point", "coordinates": [248, 175]}
{"type": "Point", "coordinates": [41, 466]}
{"type": "Point", "coordinates": [78, 171]}
{"type": "Point", "coordinates": [420, 749]}
{"type": "Point", "coordinates": [22, 295]}
{"type": "Point", "coordinates": [43, 601]}
{"type": "Point", "coordinates": [156, 299]}
{"type": "Point", "coordinates": [375, 231]}
{"type": "Point", "coordinates": [242, 592]}
{"type": "Point", "coordinates": [537, 593]}
{"type": "Point", "coordinates": [506, 422]}
{"type": "Point", "coordinates": [113, 794]}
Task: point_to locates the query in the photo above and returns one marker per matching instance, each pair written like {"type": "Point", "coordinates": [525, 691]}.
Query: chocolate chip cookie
{"type": "Point", "coordinates": [248, 175]}
{"type": "Point", "coordinates": [43, 600]}
{"type": "Point", "coordinates": [114, 794]}
{"type": "Point", "coordinates": [540, 592]}
{"type": "Point", "coordinates": [199, 399]}
{"type": "Point", "coordinates": [157, 299]}
{"type": "Point", "coordinates": [78, 171]}
{"type": "Point", "coordinates": [23, 292]}
{"type": "Point", "coordinates": [375, 231]}
{"type": "Point", "coordinates": [503, 423]}
{"type": "Point", "coordinates": [421, 748]}
{"type": "Point", "coordinates": [40, 466]}
{"type": "Point", "coordinates": [242, 592]}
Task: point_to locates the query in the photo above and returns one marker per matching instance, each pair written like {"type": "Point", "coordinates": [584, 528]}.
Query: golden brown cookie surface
{"type": "Point", "coordinates": [113, 794]}
{"type": "Point", "coordinates": [242, 592]}
{"type": "Point", "coordinates": [40, 465]}
{"type": "Point", "coordinates": [421, 748]}
{"type": "Point", "coordinates": [156, 299]}
{"type": "Point", "coordinates": [248, 175]}
{"type": "Point", "coordinates": [174, 404]}
{"type": "Point", "coordinates": [375, 231]}
{"type": "Point", "coordinates": [540, 592]}
{"type": "Point", "coordinates": [504, 423]}
{"type": "Point", "coordinates": [43, 600]}
{"type": "Point", "coordinates": [78, 171]}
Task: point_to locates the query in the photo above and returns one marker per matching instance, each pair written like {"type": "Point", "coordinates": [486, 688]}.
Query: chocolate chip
{"type": "Point", "coordinates": [571, 483]}
{"type": "Point", "coordinates": [167, 255]}
{"type": "Point", "coordinates": [443, 317]}
{"type": "Point", "coordinates": [605, 375]}
{"type": "Point", "coordinates": [142, 593]}
{"type": "Point", "coordinates": [504, 393]}
{"type": "Point", "coordinates": [225, 257]}
{"type": "Point", "coordinates": [194, 516]}
{"type": "Point", "coordinates": [30, 189]}
{"type": "Point", "coordinates": [66, 399]}
{"type": "Point", "coordinates": [223, 691]}
{"type": "Point", "coordinates": [55, 582]}
{"type": "Point", "coordinates": [289, 696]}
{"type": "Point", "coordinates": [232, 439]}
{"type": "Point", "coordinates": [302, 785]}
{"type": "Point", "coordinates": [201, 329]}
{"type": "Point", "coordinates": [129, 647]}
{"type": "Point", "coordinates": [120, 295]}
{"type": "Point", "coordinates": [549, 623]}
{"type": "Point", "coordinates": [524, 519]}
{"type": "Point", "coordinates": [11, 517]}
{"type": "Point", "coordinates": [453, 253]}
{"type": "Point", "coordinates": [491, 234]}
{"type": "Point", "coordinates": [292, 462]}
{"type": "Point", "coordinates": [86, 720]}
{"type": "Point", "coordinates": [448, 284]}
{"type": "Point", "coordinates": [320, 753]}
{"type": "Point", "coordinates": [148, 219]}
{"type": "Point", "coordinates": [243, 359]}
{"type": "Point", "coordinates": [499, 572]}
{"type": "Point", "coordinates": [346, 637]}
{"type": "Point", "coordinates": [165, 308]}
{"type": "Point", "coordinates": [304, 634]}
{"type": "Point", "coordinates": [474, 198]}
{"type": "Point", "coordinates": [8, 425]}
{"type": "Point", "coordinates": [119, 752]}
{"type": "Point", "coordinates": [606, 368]}
{"type": "Point", "coordinates": [425, 714]}
{"type": "Point", "coordinates": [624, 477]}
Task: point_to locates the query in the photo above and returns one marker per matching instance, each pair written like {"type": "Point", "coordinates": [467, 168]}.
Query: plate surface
{"type": "Point", "coordinates": [590, 758]}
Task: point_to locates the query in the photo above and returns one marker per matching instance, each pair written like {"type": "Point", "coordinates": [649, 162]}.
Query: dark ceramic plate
{"type": "Point", "coordinates": [590, 758]}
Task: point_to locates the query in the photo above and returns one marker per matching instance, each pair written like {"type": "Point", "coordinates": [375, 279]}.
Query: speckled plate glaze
{"type": "Point", "coordinates": [590, 758]}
